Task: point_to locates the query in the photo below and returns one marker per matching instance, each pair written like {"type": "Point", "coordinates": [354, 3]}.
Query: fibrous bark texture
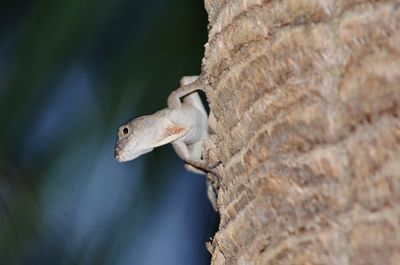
{"type": "Point", "coordinates": [306, 95]}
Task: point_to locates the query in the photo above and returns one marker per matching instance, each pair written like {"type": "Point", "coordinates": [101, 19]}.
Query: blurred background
{"type": "Point", "coordinates": [71, 72]}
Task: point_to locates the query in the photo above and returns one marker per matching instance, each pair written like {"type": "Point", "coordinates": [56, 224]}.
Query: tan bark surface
{"type": "Point", "coordinates": [306, 94]}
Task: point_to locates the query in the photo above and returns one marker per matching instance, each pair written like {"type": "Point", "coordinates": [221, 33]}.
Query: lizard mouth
{"type": "Point", "coordinates": [123, 156]}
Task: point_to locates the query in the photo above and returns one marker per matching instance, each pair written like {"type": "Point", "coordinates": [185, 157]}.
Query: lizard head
{"type": "Point", "coordinates": [141, 135]}
{"type": "Point", "coordinates": [134, 139]}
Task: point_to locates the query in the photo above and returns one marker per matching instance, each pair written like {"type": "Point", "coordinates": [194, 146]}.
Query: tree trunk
{"type": "Point", "coordinates": [306, 96]}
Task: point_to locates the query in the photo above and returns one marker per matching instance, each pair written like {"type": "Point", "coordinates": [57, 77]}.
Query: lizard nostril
{"type": "Point", "coordinates": [125, 131]}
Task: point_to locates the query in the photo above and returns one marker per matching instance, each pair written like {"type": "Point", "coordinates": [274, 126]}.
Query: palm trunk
{"type": "Point", "coordinates": [306, 96]}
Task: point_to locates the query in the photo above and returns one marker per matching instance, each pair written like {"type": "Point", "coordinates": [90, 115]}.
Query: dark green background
{"type": "Point", "coordinates": [71, 72]}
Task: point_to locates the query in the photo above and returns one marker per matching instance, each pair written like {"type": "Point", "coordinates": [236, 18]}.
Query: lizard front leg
{"type": "Point", "coordinates": [192, 163]}
{"type": "Point", "coordinates": [174, 99]}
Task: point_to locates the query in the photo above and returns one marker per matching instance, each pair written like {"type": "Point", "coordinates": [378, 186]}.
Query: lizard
{"type": "Point", "coordinates": [184, 124]}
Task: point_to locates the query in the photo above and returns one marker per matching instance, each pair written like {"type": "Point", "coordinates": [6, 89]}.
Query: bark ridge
{"type": "Point", "coordinates": [306, 96]}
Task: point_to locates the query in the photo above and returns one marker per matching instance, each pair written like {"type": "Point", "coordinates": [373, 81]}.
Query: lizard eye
{"type": "Point", "coordinates": [125, 131]}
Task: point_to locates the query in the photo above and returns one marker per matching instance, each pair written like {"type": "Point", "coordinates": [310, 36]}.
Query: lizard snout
{"type": "Point", "coordinates": [117, 152]}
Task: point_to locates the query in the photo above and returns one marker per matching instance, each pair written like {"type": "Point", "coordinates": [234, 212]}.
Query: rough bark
{"type": "Point", "coordinates": [306, 95]}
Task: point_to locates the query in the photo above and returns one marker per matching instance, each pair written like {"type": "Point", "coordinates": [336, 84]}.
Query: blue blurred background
{"type": "Point", "coordinates": [71, 72]}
